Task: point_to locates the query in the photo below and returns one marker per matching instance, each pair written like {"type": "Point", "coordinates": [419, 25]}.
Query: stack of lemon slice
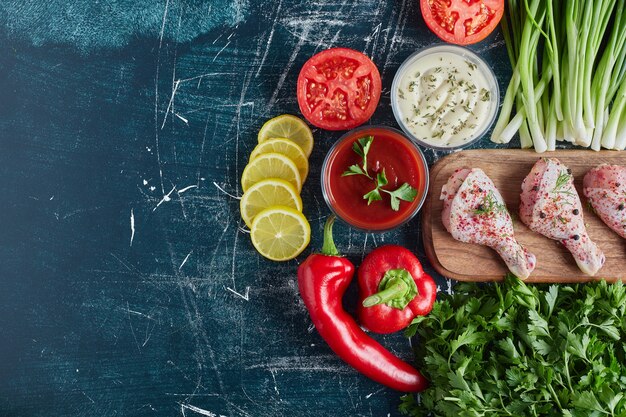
{"type": "Point", "coordinates": [271, 205]}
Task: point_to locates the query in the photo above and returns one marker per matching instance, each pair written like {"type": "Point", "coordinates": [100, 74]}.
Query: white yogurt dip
{"type": "Point", "coordinates": [445, 97]}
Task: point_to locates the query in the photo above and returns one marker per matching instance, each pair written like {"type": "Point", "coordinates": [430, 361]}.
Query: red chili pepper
{"type": "Point", "coordinates": [393, 289]}
{"type": "Point", "coordinates": [323, 279]}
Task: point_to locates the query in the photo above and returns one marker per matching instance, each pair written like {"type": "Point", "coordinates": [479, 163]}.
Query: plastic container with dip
{"type": "Point", "coordinates": [402, 161]}
{"type": "Point", "coordinates": [445, 97]}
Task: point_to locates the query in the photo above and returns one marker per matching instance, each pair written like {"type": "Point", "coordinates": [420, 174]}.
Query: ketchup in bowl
{"type": "Point", "coordinates": [402, 162]}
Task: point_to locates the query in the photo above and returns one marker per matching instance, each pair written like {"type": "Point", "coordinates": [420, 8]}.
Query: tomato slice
{"type": "Point", "coordinates": [338, 89]}
{"type": "Point", "coordinates": [462, 22]}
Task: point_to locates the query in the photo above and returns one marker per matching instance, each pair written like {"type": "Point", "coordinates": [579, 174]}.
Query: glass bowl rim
{"type": "Point", "coordinates": [465, 53]}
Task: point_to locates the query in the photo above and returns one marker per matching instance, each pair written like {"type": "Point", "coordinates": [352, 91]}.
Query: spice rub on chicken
{"type": "Point", "coordinates": [550, 205]}
{"type": "Point", "coordinates": [605, 188]}
{"type": "Point", "coordinates": [474, 212]}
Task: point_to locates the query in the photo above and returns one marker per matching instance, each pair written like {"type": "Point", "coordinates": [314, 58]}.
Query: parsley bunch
{"type": "Point", "coordinates": [509, 349]}
{"type": "Point", "coordinates": [405, 192]}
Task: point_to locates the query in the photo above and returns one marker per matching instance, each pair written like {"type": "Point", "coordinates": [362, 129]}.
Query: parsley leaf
{"type": "Point", "coordinates": [373, 195]}
{"type": "Point", "coordinates": [405, 192]}
{"type": "Point", "coordinates": [468, 337]}
{"type": "Point", "coordinates": [510, 349]}
{"type": "Point", "coordinates": [353, 170]}
{"type": "Point", "coordinates": [361, 147]}
{"type": "Point", "coordinates": [381, 179]}
{"type": "Point", "coordinates": [550, 298]}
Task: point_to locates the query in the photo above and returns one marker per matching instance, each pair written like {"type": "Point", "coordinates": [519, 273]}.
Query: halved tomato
{"type": "Point", "coordinates": [338, 89]}
{"type": "Point", "coordinates": [462, 22]}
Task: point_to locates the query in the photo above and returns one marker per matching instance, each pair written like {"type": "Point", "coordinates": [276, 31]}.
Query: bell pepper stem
{"type": "Point", "coordinates": [328, 247]}
{"type": "Point", "coordinates": [396, 288]}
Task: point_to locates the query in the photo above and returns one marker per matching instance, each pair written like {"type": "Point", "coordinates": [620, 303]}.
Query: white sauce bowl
{"type": "Point", "coordinates": [445, 97]}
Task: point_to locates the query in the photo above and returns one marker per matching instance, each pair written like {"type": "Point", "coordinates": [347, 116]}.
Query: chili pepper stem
{"type": "Point", "coordinates": [328, 247]}
{"type": "Point", "coordinates": [395, 289]}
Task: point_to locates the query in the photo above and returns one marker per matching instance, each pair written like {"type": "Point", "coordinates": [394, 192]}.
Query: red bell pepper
{"type": "Point", "coordinates": [393, 289]}
{"type": "Point", "coordinates": [322, 280]}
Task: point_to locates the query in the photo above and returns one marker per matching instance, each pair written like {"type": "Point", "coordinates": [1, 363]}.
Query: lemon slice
{"type": "Point", "coordinates": [280, 233]}
{"type": "Point", "coordinates": [265, 194]}
{"type": "Point", "coordinates": [285, 147]}
{"type": "Point", "coordinates": [289, 127]}
{"type": "Point", "coordinates": [271, 165]}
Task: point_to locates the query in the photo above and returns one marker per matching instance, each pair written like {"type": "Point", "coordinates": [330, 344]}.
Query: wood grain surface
{"type": "Point", "coordinates": [507, 169]}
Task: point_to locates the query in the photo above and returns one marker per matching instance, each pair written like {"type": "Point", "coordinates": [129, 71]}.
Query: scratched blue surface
{"type": "Point", "coordinates": [127, 285]}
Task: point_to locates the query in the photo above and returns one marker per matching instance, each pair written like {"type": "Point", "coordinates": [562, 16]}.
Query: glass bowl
{"type": "Point", "coordinates": [471, 70]}
{"type": "Point", "coordinates": [402, 161]}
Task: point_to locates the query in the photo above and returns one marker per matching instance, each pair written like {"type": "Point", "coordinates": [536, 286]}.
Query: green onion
{"type": "Point", "coordinates": [568, 83]}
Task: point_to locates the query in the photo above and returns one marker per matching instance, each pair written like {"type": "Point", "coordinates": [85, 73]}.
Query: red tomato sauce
{"type": "Point", "coordinates": [402, 161]}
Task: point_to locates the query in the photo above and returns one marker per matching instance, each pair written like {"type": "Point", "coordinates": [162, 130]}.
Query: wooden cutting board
{"type": "Point", "coordinates": [507, 168]}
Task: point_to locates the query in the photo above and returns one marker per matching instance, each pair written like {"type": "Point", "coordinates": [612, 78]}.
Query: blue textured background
{"type": "Point", "coordinates": [120, 109]}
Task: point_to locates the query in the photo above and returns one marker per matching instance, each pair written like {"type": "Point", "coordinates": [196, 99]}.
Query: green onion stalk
{"type": "Point", "coordinates": [610, 71]}
{"type": "Point", "coordinates": [615, 131]}
{"type": "Point", "coordinates": [569, 77]}
{"type": "Point", "coordinates": [528, 48]}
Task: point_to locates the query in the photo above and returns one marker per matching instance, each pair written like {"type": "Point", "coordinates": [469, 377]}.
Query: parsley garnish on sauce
{"type": "Point", "coordinates": [405, 192]}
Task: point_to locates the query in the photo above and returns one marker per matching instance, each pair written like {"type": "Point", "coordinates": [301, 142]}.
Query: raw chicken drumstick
{"type": "Point", "coordinates": [474, 212]}
{"type": "Point", "coordinates": [549, 205]}
{"type": "Point", "coordinates": [605, 187]}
